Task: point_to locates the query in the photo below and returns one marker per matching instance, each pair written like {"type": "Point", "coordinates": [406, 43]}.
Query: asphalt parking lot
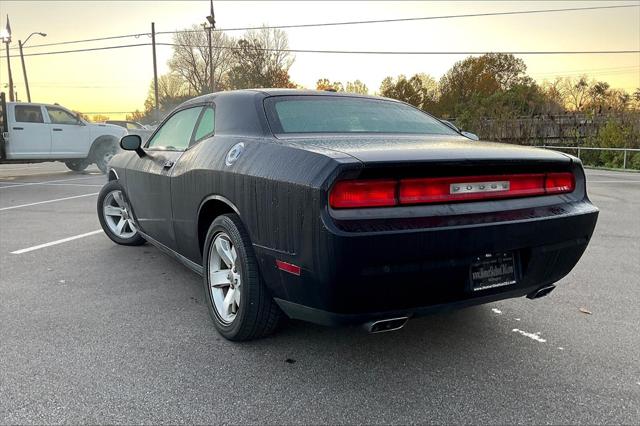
{"type": "Point", "coordinates": [92, 332]}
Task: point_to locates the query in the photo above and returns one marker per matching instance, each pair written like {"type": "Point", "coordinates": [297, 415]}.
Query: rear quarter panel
{"type": "Point", "coordinates": [276, 189]}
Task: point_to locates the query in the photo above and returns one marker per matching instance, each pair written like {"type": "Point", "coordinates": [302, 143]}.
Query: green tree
{"type": "Point", "coordinates": [421, 90]}
{"type": "Point", "coordinates": [636, 97]}
{"type": "Point", "coordinates": [99, 118]}
{"type": "Point", "coordinates": [137, 115]}
{"type": "Point", "coordinates": [614, 134]}
{"type": "Point", "coordinates": [480, 76]}
{"type": "Point", "coordinates": [356, 86]}
{"type": "Point", "coordinates": [325, 84]}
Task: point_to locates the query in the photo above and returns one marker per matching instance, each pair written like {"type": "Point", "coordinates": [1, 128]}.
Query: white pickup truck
{"type": "Point", "coordinates": [33, 133]}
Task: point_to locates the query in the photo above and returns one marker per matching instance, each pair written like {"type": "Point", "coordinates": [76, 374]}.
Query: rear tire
{"type": "Point", "coordinates": [77, 165]}
{"type": "Point", "coordinates": [114, 214]}
{"type": "Point", "coordinates": [238, 300]}
{"type": "Point", "coordinates": [103, 154]}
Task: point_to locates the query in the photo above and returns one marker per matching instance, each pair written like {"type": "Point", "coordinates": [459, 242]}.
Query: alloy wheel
{"type": "Point", "coordinates": [117, 215]}
{"type": "Point", "coordinates": [225, 282]}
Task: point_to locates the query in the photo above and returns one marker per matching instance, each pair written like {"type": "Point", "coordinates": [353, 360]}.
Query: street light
{"type": "Point", "coordinates": [211, 19]}
{"type": "Point", "coordinates": [6, 39]}
{"type": "Point", "coordinates": [24, 69]}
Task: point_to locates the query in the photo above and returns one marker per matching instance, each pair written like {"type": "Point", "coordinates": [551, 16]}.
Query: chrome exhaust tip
{"type": "Point", "coordinates": [541, 292]}
{"type": "Point", "coordinates": [390, 324]}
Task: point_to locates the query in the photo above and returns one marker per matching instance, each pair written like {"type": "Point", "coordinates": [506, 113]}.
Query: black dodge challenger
{"type": "Point", "coordinates": [343, 209]}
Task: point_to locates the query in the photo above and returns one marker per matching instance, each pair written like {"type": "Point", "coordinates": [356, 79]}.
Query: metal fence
{"type": "Point", "coordinates": [578, 149]}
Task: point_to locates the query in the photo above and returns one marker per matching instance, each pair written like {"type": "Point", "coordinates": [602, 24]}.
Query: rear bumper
{"type": "Point", "coordinates": [415, 268]}
{"type": "Point", "coordinates": [319, 316]}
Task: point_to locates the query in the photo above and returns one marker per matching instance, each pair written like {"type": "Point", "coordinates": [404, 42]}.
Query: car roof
{"type": "Point", "coordinates": [268, 92]}
{"type": "Point", "coordinates": [37, 104]}
{"type": "Point", "coordinates": [239, 112]}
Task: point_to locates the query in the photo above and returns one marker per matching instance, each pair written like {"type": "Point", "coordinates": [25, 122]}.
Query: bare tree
{"type": "Point", "coordinates": [172, 91]}
{"type": "Point", "coordinates": [576, 92]}
{"type": "Point", "coordinates": [261, 59]}
{"type": "Point", "coordinates": [554, 90]}
{"type": "Point", "coordinates": [276, 42]}
{"type": "Point", "coordinates": [190, 58]}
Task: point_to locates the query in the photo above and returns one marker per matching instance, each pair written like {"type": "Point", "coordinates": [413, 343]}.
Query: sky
{"type": "Point", "coordinates": [117, 81]}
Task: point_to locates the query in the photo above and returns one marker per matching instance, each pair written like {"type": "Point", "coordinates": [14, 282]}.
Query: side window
{"type": "Point", "coordinates": [176, 132]}
{"type": "Point", "coordinates": [29, 114]}
{"type": "Point", "coordinates": [60, 116]}
{"type": "Point", "coordinates": [207, 124]}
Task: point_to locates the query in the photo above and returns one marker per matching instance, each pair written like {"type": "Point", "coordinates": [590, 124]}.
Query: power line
{"type": "Point", "coordinates": [424, 18]}
{"type": "Point", "coordinates": [327, 24]}
{"type": "Point", "coordinates": [90, 49]}
{"type": "Point", "coordinates": [351, 52]}
{"type": "Point", "coordinates": [59, 43]}
{"type": "Point", "coordinates": [432, 52]}
{"type": "Point", "coordinates": [624, 67]}
{"type": "Point", "coordinates": [589, 74]}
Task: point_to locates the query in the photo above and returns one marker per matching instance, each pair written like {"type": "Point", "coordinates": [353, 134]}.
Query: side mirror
{"type": "Point", "coordinates": [132, 143]}
{"type": "Point", "coordinates": [471, 136]}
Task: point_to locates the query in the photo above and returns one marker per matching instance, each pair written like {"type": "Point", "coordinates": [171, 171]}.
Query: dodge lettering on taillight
{"type": "Point", "coordinates": [471, 187]}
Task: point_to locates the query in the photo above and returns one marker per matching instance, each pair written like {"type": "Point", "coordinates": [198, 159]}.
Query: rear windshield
{"type": "Point", "coordinates": [338, 114]}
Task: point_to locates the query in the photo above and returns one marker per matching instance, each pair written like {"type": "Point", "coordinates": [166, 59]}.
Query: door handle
{"type": "Point", "coordinates": [57, 130]}
{"type": "Point", "coordinates": [18, 128]}
{"type": "Point", "coordinates": [168, 164]}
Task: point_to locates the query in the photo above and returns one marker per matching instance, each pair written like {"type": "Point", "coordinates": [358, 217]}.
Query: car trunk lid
{"type": "Point", "coordinates": [378, 149]}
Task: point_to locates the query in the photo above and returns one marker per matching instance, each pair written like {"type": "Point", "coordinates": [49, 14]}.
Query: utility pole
{"type": "Point", "coordinates": [7, 40]}
{"type": "Point", "coordinates": [212, 26]}
{"type": "Point", "coordinates": [24, 72]}
{"type": "Point", "coordinates": [11, 98]}
{"type": "Point", "coordinates": [24, 69]}
{"type": "Point", "coordinates": [155, 70]}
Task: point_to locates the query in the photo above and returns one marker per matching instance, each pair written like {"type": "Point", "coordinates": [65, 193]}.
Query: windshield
{"type": "Point", "coordinates": [338, 114]}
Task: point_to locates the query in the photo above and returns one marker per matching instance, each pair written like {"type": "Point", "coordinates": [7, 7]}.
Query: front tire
{"type": "Point", "coordinates": [238, 300]}
{"type": "Point", "coordinates": [115, 216]}
{"type": "Point", "coordinates": [76, 165]}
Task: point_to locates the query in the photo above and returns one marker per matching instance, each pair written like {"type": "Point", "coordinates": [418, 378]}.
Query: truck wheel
{"type": "Point", "coordinates": [238, 300]}
{"type": "Point", "coordinates": [103, 154]}
{"type": "Point", "coordinates": [114, 214]}
{"type": "Point", "coordinates": [77, 165]}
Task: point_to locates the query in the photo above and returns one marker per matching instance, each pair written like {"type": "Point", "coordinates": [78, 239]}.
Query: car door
{"type": "Point", "coordinates": [29, 135]}
{"type": "Point", "coordinates": [70, 137]}
{"type": "Point", "coordinates": [184, 220]}
{"type": "Point", "coordinates": [148, 177]}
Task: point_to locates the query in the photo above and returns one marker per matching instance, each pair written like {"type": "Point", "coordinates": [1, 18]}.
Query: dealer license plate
{"type": "Point", "coordinates": [493, 270]}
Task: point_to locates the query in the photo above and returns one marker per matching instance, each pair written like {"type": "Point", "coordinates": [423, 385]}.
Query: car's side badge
{"type": "Point", "coordinates": [234, 153]}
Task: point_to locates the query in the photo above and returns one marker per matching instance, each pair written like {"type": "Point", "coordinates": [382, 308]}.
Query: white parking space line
{"type": "Point", "coordinates": [43, 182]}
{"type": "Point", "coordinates": [47, 201]}
{"type": "Point", "coordinates": [12, 184]}
{"type": "Point", "coordinates": [53, 243]}
{"type": "Point", "coordinates": [613, 181]}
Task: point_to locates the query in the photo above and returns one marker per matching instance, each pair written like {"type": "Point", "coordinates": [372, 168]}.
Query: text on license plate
{"type": "Point", "coordinates": [490, 271]}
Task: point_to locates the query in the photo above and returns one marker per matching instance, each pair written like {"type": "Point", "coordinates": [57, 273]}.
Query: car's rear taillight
{"type": "Point", "coordinates": [392, 192]}
{"type": "Point", "coordinates": [469, 188]}
{"type": "Point", "coordinates": [558, 183]}
{"type": "Point", "coordinates": [363, 193]}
